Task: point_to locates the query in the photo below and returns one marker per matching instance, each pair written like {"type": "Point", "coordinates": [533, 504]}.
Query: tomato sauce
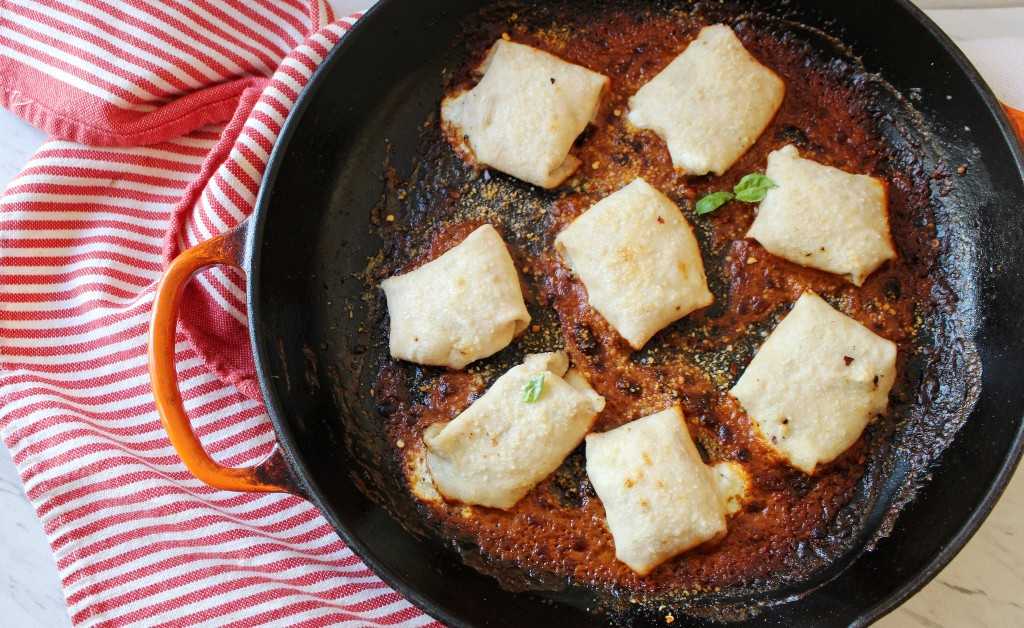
{"type": "Point", "coordinates": [791, 524]}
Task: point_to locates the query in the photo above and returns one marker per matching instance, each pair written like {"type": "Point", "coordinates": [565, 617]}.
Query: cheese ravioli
{"type": "Point", "coordinates": [465, 305]}
{"type": "Point", "coordinates": [816, 382]}
{"type": "Point", "coordinates": [659, 497]}
{"type": "Point", "coordinates": [507, 442]}
{"type": "Point", "coordinates": [710, 104]}
{"type": "Point", "coordinates": [525, 113]}
{"type": "Point", "coordinates": [822, 217]}
{"type": "Point", "coordinates": [638, 259]}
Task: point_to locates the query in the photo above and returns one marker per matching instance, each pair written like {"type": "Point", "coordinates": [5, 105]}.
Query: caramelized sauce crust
{"type": "Point", "coordinates": [791, 524]}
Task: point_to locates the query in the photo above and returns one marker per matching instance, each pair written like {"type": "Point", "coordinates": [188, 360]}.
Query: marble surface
{"type": "Point", "coordinates": [30, 591]}
{"type": "Point", "coordinates": [982, 586]}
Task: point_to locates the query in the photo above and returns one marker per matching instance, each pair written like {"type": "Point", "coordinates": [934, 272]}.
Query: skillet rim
{"type": "Point", "coordinates": [958, 541]}
{"type": "Point", "coordinates": [290, 447]}
{"type": "Point", "coordinates": [282, 431]}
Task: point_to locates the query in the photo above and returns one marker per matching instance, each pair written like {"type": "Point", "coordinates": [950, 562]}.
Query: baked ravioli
{"type": "Point", "coordinates": [637, 256]}
{"type": "Point", "coordinates": [515, 435]}
{"type": "Point", "coordinates": [816, 382]}
{"type": "Point", "coordinates": [465, 305]}
{"type": "Point", "coordinates": [525, 113]}
{"type": "Point", "coordinates": [710, 104]}
{"type": "Point", "coordinates": [659, 497]}
{"type": "Point", "coordinates": [822, 217]}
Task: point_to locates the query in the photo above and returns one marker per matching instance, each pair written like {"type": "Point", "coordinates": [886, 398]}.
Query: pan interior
{"type": "Point", "coordinates": [313, 331]}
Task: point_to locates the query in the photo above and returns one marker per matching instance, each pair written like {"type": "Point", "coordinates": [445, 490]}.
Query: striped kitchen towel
{"type": "Point", "coordinates": [162, 115]}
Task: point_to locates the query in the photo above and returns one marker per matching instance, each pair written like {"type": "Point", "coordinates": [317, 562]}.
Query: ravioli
{"type": "Point", "coordinates": [504, 444]}
{"type": "Point", "coordinates": [525, 113]}
{"type": "Point", "coordinates": [825, 218]}
{"type": "Point", "coordinates": [559, 532]}
{"type": "Point", "coordinates": [465, 305]}
{"type": "Point", "coordinates": [710, 104]}
{"type": "Point", "coordinates": [659, 497]}
{"type": "Point", "coordinates": [638, 259]}
{"type": "Point", "coordinates": [815, 384]}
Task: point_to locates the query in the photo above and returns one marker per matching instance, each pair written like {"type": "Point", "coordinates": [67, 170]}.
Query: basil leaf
{"type": "Point", "coordinates": [753, 187]}
{"type": "Point", "coordinates": [533, 389]}
{"type": "Point", "coordinates": [713, 201]}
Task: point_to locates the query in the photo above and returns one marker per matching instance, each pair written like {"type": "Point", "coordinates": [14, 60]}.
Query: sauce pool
{"type": "Point", "coordinates": [791, 525]}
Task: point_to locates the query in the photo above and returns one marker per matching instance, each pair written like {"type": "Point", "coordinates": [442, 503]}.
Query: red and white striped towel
{"type": "Point", "coordinates": [163, 114]}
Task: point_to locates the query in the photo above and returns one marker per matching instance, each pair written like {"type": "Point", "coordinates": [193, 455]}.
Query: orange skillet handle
{"type": "Point", "coordinates": [1017, 119]}
{"type": "Point", "coordinates": [270, 475]}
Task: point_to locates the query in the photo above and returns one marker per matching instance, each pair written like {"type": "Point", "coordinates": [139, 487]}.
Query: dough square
{"type": "Point", "coordinates": [823, 217]}
{"type": "Point", "coordinates": [637, 256]}
{"type": "Point", "coordinates": [465, 305]}
{"type": "Point", "coordinates": [503, 445]}
{"type": "Point", "coordinates": [659, 497]}
{"type": "Point", "coordinates": [710, 104]}
{"type": "Point", "coordinates": [525, 113]}
{"type": "Point", "coordinates": [816, 382]}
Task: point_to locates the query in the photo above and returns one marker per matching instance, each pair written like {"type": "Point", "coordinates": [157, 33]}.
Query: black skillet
{"type": "Point", "coordinates": [310, 237]}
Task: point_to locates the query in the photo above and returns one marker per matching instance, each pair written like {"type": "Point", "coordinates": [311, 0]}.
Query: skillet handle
{"type": "Point", "coordinates": [270, 475]}
{"type": "Point", "coordinates": [1017, 119]}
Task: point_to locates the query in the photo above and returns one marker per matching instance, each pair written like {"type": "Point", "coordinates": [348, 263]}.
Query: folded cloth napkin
{"type": "Point", "coordinates": [1001, 61]}
{"type": "Point", "coordinates": [993, 40]}
{"type": "Point", "coordinates": [162, 116]}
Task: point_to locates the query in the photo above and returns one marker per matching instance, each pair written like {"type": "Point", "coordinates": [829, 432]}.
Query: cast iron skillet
{"type": "Point", "coordinates": [310, 236]}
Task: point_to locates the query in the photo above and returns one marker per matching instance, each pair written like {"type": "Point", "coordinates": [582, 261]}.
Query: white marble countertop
{"type": "Point", "coordinates": [983, 586]}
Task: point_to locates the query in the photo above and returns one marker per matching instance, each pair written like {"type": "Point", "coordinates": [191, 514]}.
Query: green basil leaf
{"type": "Point", "coordinates": [753, 187]}
{"type": "Point", "coordinates": [533, 389]}
{"type": "Point", "coordinates": [713, 201]}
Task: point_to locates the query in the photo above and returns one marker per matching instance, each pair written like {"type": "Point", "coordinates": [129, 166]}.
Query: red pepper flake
{"type": "Point", "coordinates": [848, 360]}
{"type": "Point", "coordinates": [661, 220]}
